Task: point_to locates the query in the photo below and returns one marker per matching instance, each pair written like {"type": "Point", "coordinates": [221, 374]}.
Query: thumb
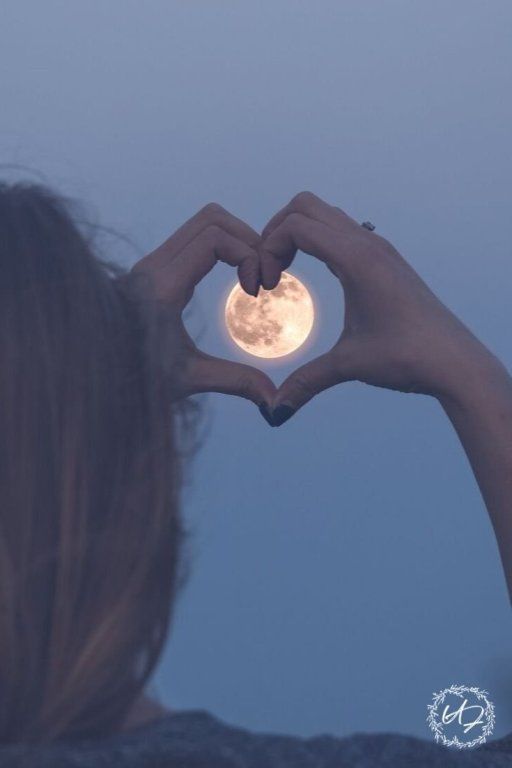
{"type": "Point", "coordinates": [304, 383]}
{"type": "Point", "coordinates": [213, 374]}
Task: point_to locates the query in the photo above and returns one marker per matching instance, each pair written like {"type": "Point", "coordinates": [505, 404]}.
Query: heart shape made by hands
{"type": "Point", "coordinates": [390, 313]}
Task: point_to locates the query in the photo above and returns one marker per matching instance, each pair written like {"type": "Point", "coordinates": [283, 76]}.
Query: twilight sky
{"type": "Point", "coordinates": [343, 566]}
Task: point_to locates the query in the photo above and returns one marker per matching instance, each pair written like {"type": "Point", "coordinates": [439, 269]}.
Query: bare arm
{"type": "Point", "coordinates": [398, 335]}
{"type": "Point", "coordinates": [480, 409]}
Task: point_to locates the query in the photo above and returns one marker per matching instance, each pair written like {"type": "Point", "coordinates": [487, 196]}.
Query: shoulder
{"type": "Point", "coordinates": [198, 739]}
{"type": "Point", "coordinates": [230, 746]}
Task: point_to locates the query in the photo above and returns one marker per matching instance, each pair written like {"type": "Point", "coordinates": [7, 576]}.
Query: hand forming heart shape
{"type": "Point", "coordinates": [397, 334]}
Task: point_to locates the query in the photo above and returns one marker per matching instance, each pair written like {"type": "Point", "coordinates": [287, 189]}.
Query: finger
{"type": "Point", "coordinates": [271, 266]}
{"type": "Point", "coordinates": [303, 384]}
{"type": "Point", "coordinates": [313, 206]}
{"type": "Point", "coordinates": [177, 279]}
{"type": "Point", "coordinates": [309, 205]}
{"type": "Point", "coordinates": [213, 374]}
{"type": "Point", "coordinates": [211, 215]}
{"type": "Point", "coordinates": [299, 232]}
{"type": "Point", "coordinates": [249, 274]}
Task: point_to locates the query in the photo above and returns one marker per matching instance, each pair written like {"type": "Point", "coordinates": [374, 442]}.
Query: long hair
{"type": "Point", "coordinates": [90, 473]}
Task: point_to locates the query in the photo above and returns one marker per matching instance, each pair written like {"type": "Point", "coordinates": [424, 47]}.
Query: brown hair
{"type": "Point", "coordinates": [90, 532]}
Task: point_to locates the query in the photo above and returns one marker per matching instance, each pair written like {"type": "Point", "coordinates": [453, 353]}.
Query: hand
{"type": "Point", "coordinates": [397, 334]}
{"type": "Point", "coordinates": [164, 282]}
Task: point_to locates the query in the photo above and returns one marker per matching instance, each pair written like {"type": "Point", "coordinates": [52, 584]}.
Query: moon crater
{"type": "Point", "coordinates": [273, 324]}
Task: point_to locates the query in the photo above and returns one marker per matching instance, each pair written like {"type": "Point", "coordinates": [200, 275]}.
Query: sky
{"type": "Point", "coordinates": [343, 567]}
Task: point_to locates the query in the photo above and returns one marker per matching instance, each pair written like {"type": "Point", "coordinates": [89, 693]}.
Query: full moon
{"type": "Point", "coordinates": [275, 322]}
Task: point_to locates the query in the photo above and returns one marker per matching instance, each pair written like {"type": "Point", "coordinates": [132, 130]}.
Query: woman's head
{"type": "Point", "coordinates": [90, 533]}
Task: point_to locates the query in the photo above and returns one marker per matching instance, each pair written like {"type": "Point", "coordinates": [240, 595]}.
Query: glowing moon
{"type": "Point", "coordinates": [275, 322]}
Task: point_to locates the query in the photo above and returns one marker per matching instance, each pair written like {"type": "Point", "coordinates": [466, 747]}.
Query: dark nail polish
{"type": "Point", "coordinates": [266, 413]}
{"type": "Point", "coordinates": [281, 414]}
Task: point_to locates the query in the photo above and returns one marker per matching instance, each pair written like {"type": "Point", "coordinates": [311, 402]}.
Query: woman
{"type": "Point", "coordinates": [95, 371]}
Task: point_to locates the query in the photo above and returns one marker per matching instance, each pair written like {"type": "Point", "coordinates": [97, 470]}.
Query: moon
{"type": "Point", "coordinates": [274, 323]}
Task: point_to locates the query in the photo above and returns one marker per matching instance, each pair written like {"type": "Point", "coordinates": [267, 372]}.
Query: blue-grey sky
{"type": "Point", "coordinates": [343, 566]}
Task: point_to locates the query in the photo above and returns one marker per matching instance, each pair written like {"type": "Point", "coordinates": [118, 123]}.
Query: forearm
{"type": "Point", "coordinates": [480, 409]}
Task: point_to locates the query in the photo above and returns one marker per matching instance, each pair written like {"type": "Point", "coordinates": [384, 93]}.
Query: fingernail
{"type": "Point", "coordinates": [266, 413]}
{"type": "Point", "coordinates": [281, 414]}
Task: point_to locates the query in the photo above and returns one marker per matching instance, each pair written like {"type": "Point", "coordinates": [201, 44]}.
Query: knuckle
{"type": "Point", "coordinates": [212, 211]}
{"type": "Point", "coordinates": [341, 211]}
{"type": "Point", "coordinates": [304, 201]}
{"type": "Point", "coordinates": [385, 244]}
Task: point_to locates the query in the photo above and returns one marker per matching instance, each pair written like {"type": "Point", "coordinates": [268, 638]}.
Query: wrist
{"type": "Point", "coordinates": [480, 380]}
